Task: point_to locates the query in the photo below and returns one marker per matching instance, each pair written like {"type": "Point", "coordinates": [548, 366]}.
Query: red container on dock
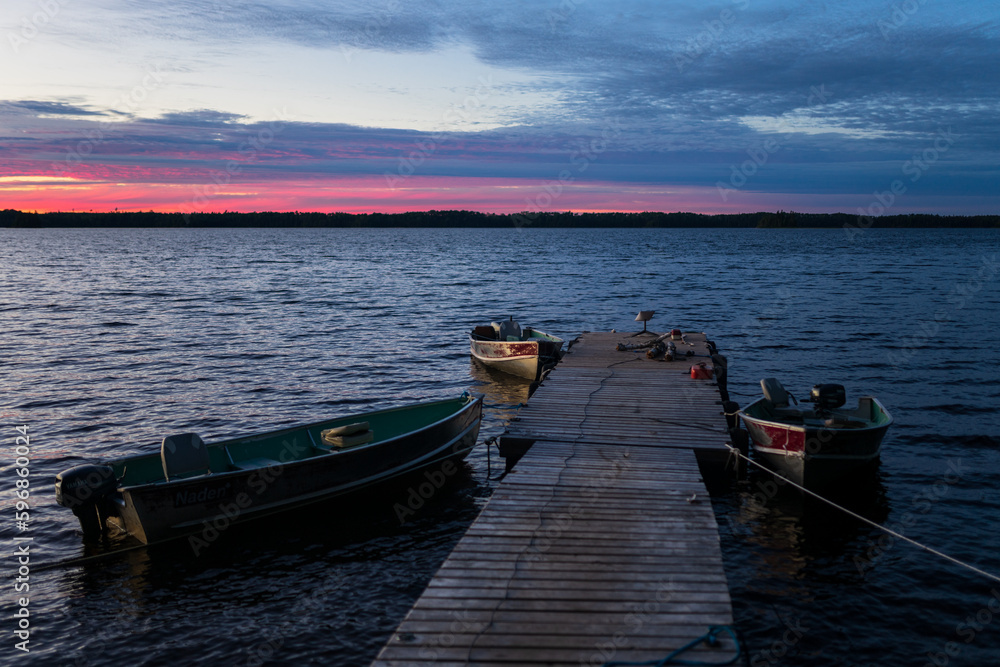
{"type": "Point", "coordinates": [701, 372]}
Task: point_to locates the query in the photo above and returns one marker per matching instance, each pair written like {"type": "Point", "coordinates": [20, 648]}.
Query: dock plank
{"type": "Point", "coordinates": [601, 542]}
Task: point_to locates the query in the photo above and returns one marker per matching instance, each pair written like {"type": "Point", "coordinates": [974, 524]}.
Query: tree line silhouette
{"type": "Point", "coordinates": [553, 219]}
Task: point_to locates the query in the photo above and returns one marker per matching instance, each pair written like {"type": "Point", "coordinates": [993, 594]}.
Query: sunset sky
{"type": "Point", "coordinates": [584, 105]}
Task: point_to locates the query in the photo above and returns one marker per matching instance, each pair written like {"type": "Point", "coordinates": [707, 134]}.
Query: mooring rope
{"type": "Point", "coordinates": [710, 638]}
{"type": "Point", "coordinates": [80, 560]}
{"type": "Point", "coordinates": [490, 442]}
{"type": "Point", "coordinates": [884, 529]}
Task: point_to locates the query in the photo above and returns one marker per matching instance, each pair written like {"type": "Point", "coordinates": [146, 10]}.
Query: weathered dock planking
{"type": "Point", "coordinates": [600, 544]}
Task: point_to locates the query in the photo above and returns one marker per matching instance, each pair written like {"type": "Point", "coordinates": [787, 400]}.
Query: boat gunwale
{"type": "Point", "coordinates": [809, 427]}
{"type": "Point", "coordinates": [541, 337]}
{"type": "Point", "coordinates": [774, 451]}
{"type": "Point", "coordinates": [255, 512]}
{"type": "Point", "coordinates": [472, 401]}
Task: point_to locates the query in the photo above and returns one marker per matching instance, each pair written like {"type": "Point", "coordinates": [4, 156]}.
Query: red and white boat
{"type": "Point", "coordinates": [815, 445]}
{"type": "Point", "coordinates": [507, 347]}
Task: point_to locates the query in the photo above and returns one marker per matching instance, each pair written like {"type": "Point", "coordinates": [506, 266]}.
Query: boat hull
{"type": "Point", "coordinates": [523, 358]}
{"type": "Point", "coordinates": [208, 504]}
{"type": "Point", "coordinates": [817, 455]}
{"type": "Point", "coordinates": [520, 359]}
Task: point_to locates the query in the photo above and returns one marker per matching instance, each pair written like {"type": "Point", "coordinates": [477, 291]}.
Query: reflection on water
{"type": "Point", "coordinates": [321, 554]}
{"type": "Point", "coordinates": [502, 390]}
{"type": "Point", "coordinates": [113, 338]}
{"type": "Point", "coordinates": [790, 529]}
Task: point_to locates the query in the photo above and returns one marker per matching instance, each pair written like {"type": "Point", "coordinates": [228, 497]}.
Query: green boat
{"type": "Point", "coordinates": [191, 487]}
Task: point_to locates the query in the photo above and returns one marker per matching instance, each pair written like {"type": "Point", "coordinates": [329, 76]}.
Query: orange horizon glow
{"type": "Point", "coordinates": [371, 194]}
{"type": "Point", "coordinates": [365, 194]}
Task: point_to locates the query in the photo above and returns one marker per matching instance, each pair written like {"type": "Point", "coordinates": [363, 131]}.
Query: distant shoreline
{"type": "Point", "coordinates": [473, 219]}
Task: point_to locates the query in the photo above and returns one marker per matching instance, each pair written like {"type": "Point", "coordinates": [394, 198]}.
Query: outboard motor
{"type": "Point", "coordinates": [82, 489]}
{"type": "Point", "coordinates": [828, 396]}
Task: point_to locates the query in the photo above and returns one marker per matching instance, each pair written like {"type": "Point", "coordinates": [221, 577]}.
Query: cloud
{"type": "Point", "coordinates": [848, 93]}
{"type": "Point", "coordinates": [41, 108]}
{"type": "Point", "coordinates": [197, 118]}
{"type": "Point", "coordinates": [197, 146]}
{"type": "Point", "coordinates": [656, 64]}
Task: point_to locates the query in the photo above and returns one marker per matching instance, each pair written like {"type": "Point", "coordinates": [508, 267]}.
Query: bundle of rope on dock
{"type": "Point", "coordinates": [626, 347]}
{"type": "Point", "coordinates": [658, 347]}
{"type": "Point", "coordinates": [658, 342]}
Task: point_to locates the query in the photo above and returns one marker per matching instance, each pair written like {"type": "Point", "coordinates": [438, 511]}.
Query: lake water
{"type": "Point", "coordinates": [112, 339]}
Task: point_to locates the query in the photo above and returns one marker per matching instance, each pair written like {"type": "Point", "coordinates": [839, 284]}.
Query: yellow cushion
{"type": "Point", "coordinates": [349, 429]}
{"type": "Point", "coordinates": [344, 441]}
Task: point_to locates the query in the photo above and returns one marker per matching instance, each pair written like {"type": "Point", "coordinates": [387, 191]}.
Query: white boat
{"type": "Point", "coordinates": [507, 347]}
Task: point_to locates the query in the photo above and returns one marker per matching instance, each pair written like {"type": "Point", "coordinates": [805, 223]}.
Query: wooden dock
{"type": "Point", "coordinates": [600, 544]}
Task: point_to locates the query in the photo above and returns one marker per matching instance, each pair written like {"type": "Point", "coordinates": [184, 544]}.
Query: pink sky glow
{"type": "Point", "coordinates": [356, 194]}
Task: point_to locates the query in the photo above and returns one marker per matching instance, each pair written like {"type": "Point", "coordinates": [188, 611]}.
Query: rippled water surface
{"type": "Point", "coordinates": [113, 338]}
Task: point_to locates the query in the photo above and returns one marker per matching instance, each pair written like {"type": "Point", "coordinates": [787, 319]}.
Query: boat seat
{"type": "Point", "coordinates": [774, 392]}
{"type": "Point", "coordinates": [345, 437]}
{"type": "Point", "coordinates": [509, 331]}
{"type": "Point", "coordinates": [259, 462]}
{"type": "Point", "coordinates": [777, 397]}
{"type": "Point", "coordinates": [184, 455]}
{"type": "Point", "coordinates": [794, 412]}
